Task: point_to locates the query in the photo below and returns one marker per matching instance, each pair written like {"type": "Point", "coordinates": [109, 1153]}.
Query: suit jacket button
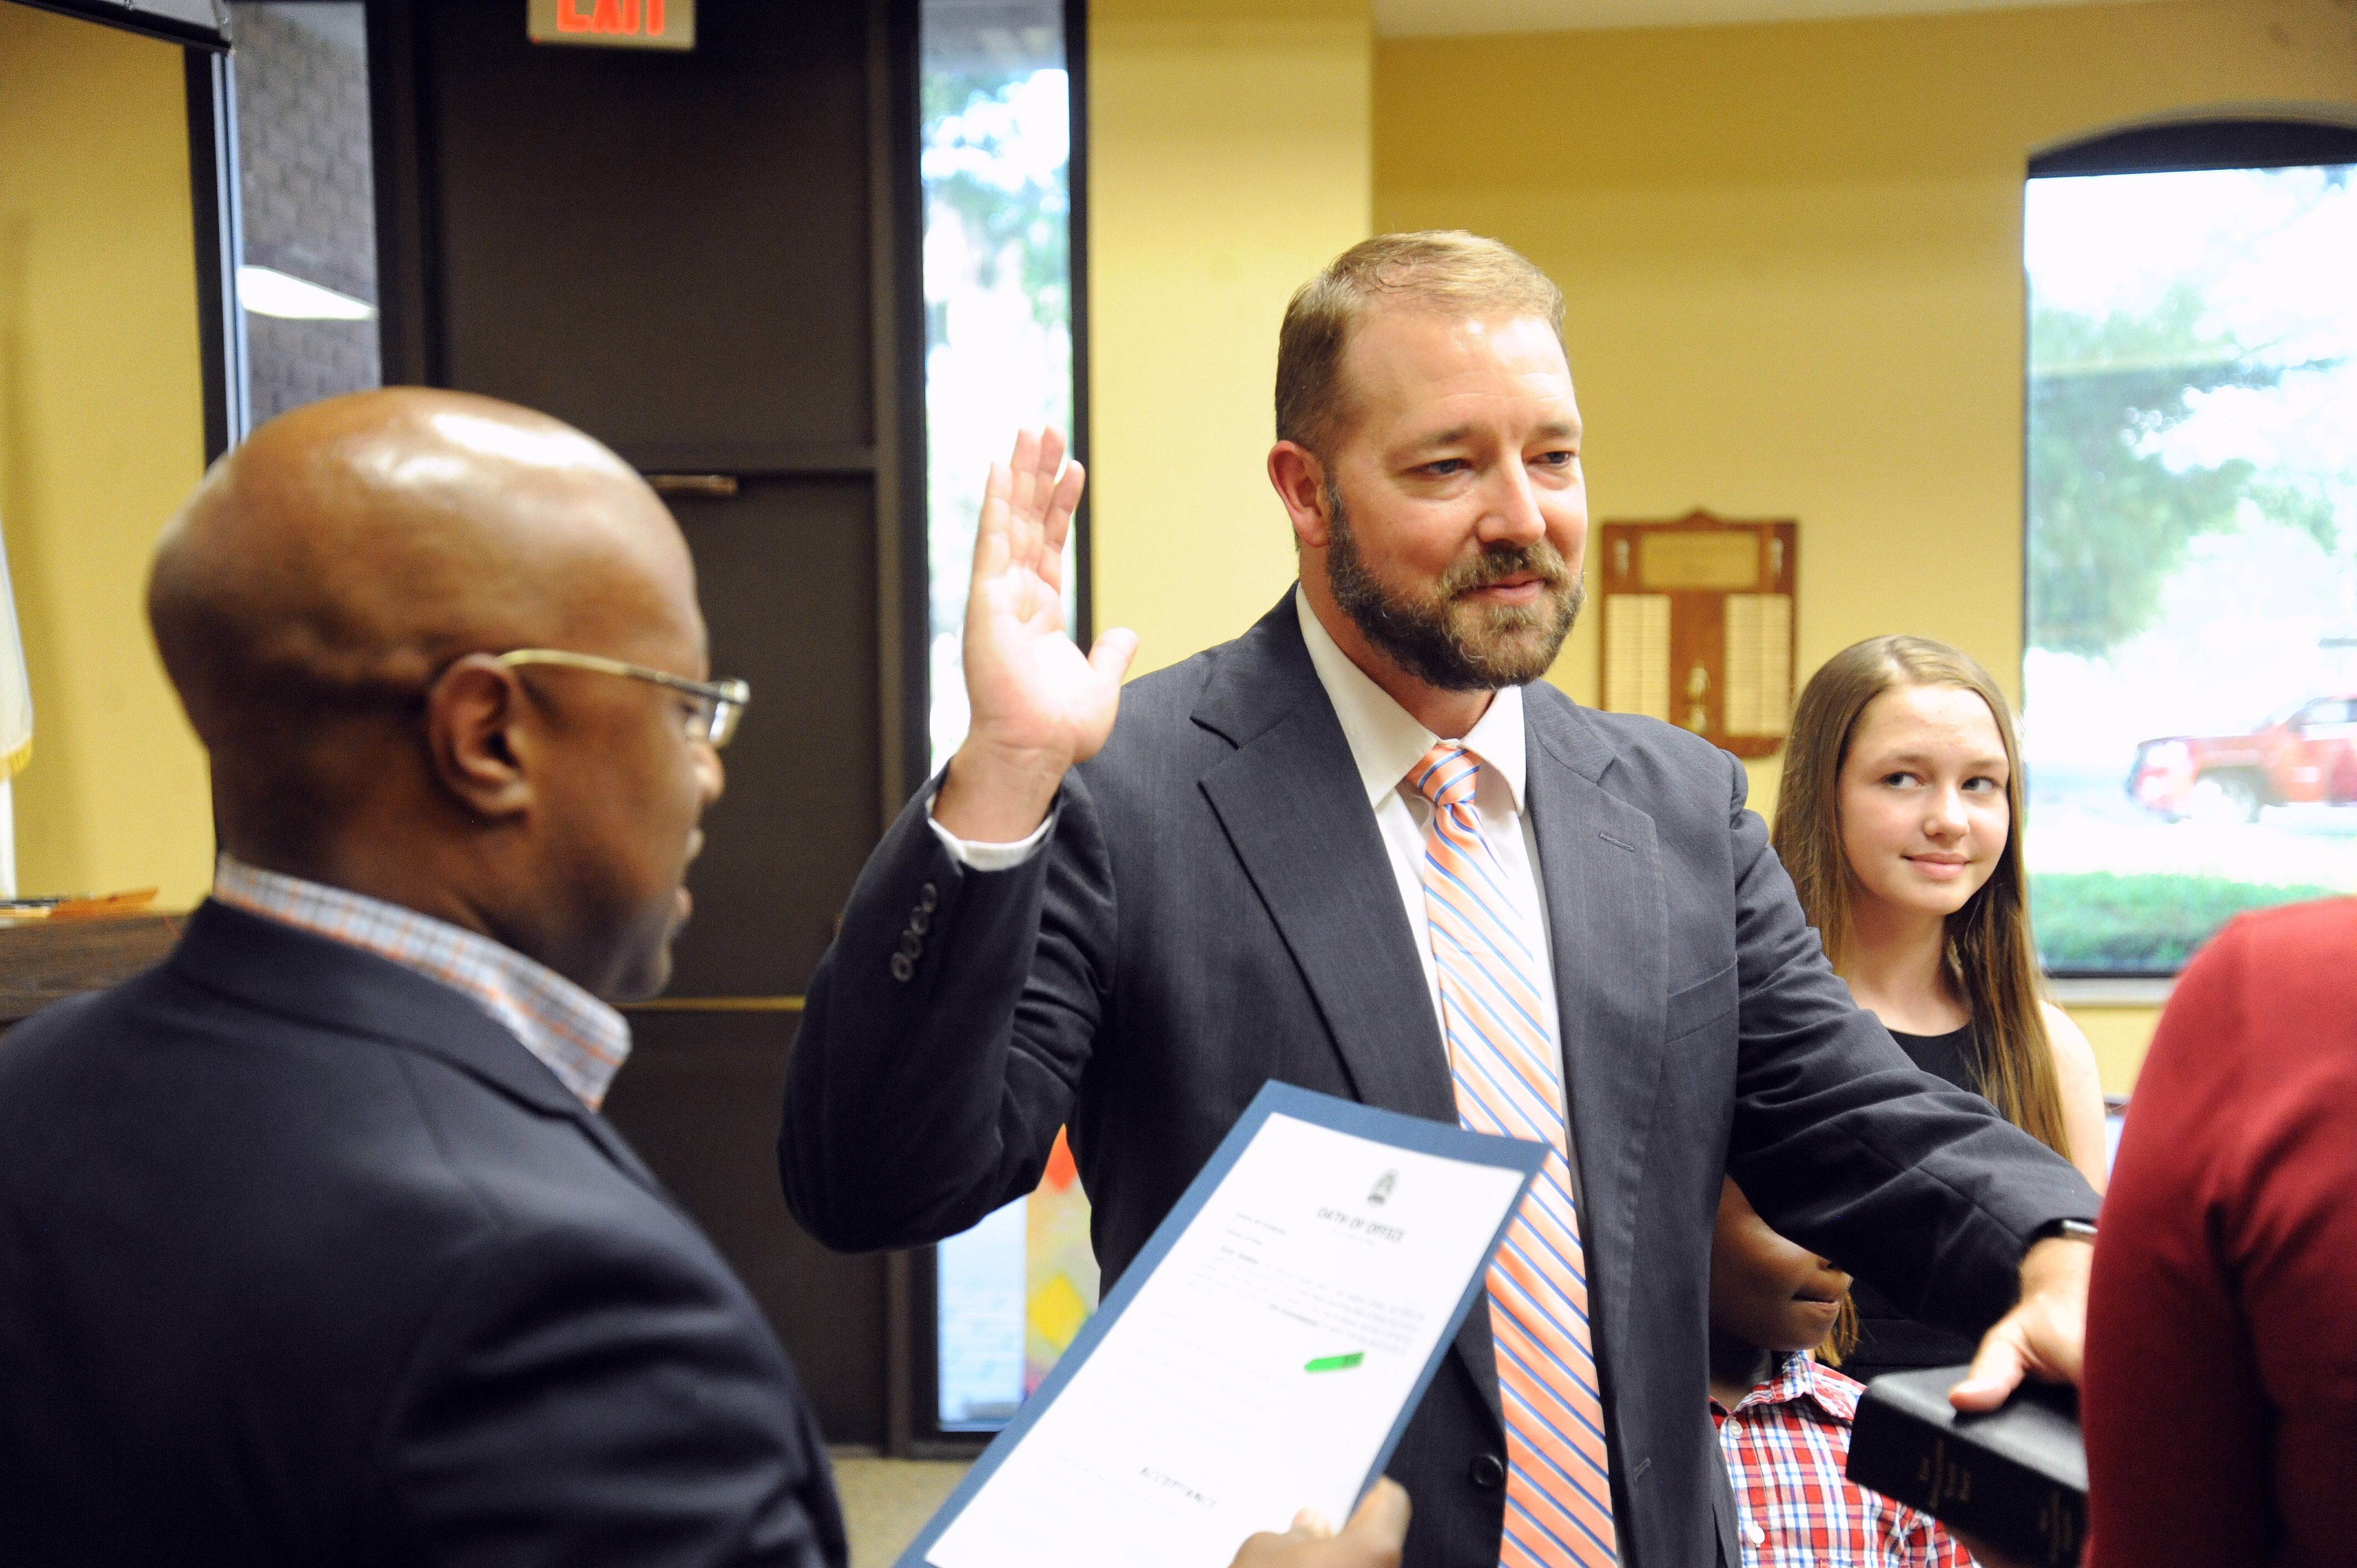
{"type": "Point", "coordinates": [903, 967]}
{"type": "Point", "coordinates": [921, 919]}
{"type": "Point", "coordinates": [1487, 1472]}
{"type": "Point", "coordinates": [911, 944]}
{"type": "Point", "coordinates": [930, 899]}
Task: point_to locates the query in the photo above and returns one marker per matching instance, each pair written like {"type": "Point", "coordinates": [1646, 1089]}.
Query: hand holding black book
{"type": "Point", "coordinates": [2015, 1478]}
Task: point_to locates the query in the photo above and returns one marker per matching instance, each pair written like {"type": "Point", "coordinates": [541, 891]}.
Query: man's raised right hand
{"type": "Point", "coordinates": [1038, 705]}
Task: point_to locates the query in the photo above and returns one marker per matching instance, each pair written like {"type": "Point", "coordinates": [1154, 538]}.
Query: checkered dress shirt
{"type": "Point", "coordinates": [576, 1037]}
{"type": "Point", "coordinates": [1785, 1445]}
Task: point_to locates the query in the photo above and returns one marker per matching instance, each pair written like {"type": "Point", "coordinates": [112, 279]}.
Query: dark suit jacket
{"type": "Point", "coordinates": [1215, 909]}
{"type": "Point", "coordinates": [305, 1260]}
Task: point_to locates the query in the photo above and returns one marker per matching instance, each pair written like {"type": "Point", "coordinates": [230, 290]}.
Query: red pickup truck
{"type": "Point", "coordinates": [2304, 753]}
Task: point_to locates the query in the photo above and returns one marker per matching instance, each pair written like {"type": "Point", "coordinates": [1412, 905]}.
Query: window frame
{"type": "Point", "coordinates": [915, 1332]}
{"type": "Point", "coordinates": [213, 205]}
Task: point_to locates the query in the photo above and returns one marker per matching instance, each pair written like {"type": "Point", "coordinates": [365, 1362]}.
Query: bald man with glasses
{"type": "Point", "coordinates": [314, 1248]}
{"type": "Point", "coordinates": [317, 1248]}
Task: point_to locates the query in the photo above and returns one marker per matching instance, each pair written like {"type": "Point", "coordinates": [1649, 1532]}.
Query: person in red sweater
{"type": "Point", "coordinates": [2221, 1395]}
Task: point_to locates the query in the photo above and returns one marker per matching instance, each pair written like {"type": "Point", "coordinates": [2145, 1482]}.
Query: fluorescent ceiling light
{"type": "Point", "coordinates": [266, 291]}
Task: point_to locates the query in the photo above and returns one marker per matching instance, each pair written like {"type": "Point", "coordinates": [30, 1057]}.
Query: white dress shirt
{"type": "Point", "coordinates": [1386, 741]}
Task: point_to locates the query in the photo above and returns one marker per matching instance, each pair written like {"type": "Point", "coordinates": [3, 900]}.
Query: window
{"type": "Point", "coordinates": [307, 276]}
{"type": "Point", "coordinates": [1002, 322]}
{"type": "Point", "coordinates": [2191, 650]}
{"type": "Point", "coordinates": [996, 161]}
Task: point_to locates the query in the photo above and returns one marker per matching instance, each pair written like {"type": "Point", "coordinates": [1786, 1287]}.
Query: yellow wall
{"type": "Point", "coordinates": [101, 433]}
{"type": "Point", "coordinates": [1792, 254]}
{"type": "Point", "coordinates": [2120, 1034]}
{"type": "Point", "coordinates": [1230, 158]}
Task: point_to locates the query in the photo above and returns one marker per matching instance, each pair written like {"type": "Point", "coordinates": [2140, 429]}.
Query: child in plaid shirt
{"type": "Point", "coordinates": [1783, 1419]}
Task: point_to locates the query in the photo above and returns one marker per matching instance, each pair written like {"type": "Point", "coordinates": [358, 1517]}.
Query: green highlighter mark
{"type": "Point", "coordinates": [1335, 1363]}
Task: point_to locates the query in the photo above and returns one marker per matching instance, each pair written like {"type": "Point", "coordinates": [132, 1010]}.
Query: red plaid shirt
{"type": "Point", "coordinates": [1785, 1445]}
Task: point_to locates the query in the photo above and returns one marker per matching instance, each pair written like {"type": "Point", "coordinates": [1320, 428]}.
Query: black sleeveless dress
{"type": "Point", "coordinates": [1888, 1339]}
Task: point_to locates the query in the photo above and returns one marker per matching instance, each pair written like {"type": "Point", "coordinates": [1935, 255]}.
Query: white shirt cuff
{"type": "Point", "coordinates": [989, 857]}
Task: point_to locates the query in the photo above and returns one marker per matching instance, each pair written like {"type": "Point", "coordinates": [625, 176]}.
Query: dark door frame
{"type": "Point", "coordinates": [406, 190]}
{"type": "Point", "coordinates": [412, 356]}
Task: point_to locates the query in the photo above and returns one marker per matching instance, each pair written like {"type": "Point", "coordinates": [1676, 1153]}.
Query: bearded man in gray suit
{"type": "Point", "coordinates": [1364, 849]}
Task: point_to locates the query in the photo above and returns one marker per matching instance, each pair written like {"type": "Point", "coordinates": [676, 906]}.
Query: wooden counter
{"type": "Point", "coordinates": [43, 962]}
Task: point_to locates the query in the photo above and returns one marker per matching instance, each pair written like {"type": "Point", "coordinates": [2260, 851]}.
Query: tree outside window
{"type": "Point", "coordinates": [2191, 648]}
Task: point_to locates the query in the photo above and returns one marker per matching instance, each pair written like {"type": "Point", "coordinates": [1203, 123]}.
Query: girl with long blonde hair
{"type": "Point", "coordinates": [1900, 822]}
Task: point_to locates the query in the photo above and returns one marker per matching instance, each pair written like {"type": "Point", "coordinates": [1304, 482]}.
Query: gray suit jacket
{"type": "Point", "coordinates": [1214, 910]}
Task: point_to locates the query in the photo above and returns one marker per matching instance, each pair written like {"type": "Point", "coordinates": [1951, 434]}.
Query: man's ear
{"type": "Point", "coordinates": [1301, 481]}
{"type": "Point", "coordinates": [474, 729]}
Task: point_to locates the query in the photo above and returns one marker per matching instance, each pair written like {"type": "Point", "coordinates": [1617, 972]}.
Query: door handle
{"type": "Point", "coordinates": [716, 486]}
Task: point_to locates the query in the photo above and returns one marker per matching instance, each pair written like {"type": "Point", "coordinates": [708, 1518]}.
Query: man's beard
{"type": "Point", "coordinates": [1441, 638]}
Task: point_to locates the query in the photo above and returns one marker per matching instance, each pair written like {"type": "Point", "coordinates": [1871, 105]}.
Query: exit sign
{"type": "Point", "coordinates": [613, 24]}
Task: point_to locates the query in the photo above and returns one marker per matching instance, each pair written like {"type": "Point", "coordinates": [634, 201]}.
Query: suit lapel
{"type": "Point", "coordinates": [1291, 803]}
{"type": "Point", "coordinates": [1608, 934]}
{"type": "Point", "coordinates": [601, 1132]}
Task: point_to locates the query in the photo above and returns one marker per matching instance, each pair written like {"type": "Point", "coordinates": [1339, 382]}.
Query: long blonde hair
{"type": "Point", "coordinates": [1990, 959]}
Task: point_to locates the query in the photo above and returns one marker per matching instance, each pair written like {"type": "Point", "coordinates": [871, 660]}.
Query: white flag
{"type": "Point", "coordinates": [16, 725]}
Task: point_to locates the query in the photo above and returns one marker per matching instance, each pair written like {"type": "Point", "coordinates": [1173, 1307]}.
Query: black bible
{"type": "Point", "coordinates": [2015, 1478]}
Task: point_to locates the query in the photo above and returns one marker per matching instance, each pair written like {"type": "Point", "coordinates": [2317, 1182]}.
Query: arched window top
{"type": "Point", "coordinates": [2175, 145]}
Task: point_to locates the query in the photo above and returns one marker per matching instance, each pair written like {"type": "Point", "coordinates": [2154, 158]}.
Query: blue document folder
{"type": "Point", "coordinates": [1433, 1139]}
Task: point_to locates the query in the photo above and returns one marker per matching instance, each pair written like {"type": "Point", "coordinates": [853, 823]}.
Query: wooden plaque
{"type": "Point", "coordinates": [1698, 626]}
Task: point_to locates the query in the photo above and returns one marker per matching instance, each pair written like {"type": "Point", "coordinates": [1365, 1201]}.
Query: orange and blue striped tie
{"type": "Point", "coordinates": [1509, 1079]}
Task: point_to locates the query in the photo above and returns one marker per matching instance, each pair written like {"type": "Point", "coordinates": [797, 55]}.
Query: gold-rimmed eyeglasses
{"type": "Point", "coordinates": [718, 704]}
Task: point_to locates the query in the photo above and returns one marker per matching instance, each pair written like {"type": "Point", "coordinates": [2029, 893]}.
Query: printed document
{"type": "Point", "coordinates": [1261, 1367]}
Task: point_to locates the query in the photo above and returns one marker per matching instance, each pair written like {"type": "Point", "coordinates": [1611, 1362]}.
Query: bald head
{"type": "Point", "coordinates": [353, 547]}
{"type": "Point", "coordinates": [328, 571]}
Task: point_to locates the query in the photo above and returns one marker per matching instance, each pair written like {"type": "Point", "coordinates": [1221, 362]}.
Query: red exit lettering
{"type": "Point", "coordinates": [617, 17]}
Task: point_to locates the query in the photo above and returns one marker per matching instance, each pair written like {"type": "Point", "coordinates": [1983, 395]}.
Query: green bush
{"type": "Point", "coordinates": [2097, 922]}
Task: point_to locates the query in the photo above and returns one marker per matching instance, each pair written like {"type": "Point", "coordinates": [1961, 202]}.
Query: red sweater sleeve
{"type": "Point", "coordinates": [2221, 1400]}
